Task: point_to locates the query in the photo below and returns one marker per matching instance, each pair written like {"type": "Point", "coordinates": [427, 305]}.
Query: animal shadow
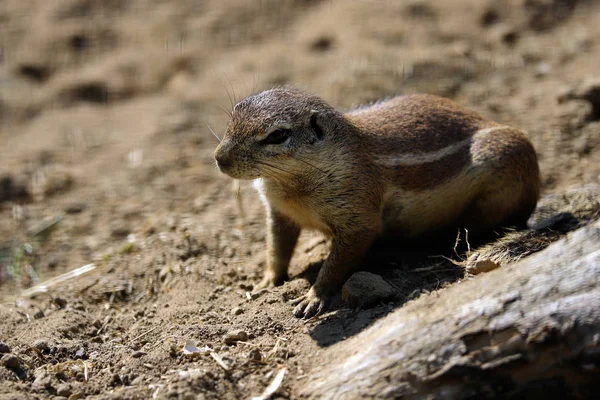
{"type": "Point", "coordinates": [411, 269]}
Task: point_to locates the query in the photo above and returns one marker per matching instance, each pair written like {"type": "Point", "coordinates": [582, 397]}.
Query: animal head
{"type": "Point", "coordinates": [271, 132]}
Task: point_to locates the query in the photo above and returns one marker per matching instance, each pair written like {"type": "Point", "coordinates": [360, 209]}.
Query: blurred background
{"type": "Point", "coordinates": [105, 104]}
{"type": "Point", "coordinates": [106, 157]}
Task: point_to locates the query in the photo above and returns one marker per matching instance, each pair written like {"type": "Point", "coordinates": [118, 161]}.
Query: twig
{"type": "Point", "coordinates": [273, 386]}
{"type": "Point", "coordinates": [143, 334]}
{"type": "Point", "coordinates": [44, 286]}
{"type": "Point", "coordinates": [219, 361]}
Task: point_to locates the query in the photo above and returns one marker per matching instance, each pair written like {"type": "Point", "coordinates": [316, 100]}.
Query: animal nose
{"type": "Point", "coordinates": [223, 160]}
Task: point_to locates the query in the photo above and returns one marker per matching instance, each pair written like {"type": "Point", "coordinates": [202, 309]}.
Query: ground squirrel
{"type": "Point", "coordinates": [407, 167]}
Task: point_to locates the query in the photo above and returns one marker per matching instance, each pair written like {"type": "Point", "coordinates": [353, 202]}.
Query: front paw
{"type": "Point", "coordinates": [270, 280]}
{"type": "Point", "coordinates": [311, 304]}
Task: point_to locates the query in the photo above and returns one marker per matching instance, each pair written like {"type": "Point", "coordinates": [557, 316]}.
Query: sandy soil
{"type": "Point", "coordinates": [107, 159]}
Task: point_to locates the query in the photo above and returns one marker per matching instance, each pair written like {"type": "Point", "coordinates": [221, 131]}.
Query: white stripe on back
{"type": "Point", "coordinates": [411, 159]}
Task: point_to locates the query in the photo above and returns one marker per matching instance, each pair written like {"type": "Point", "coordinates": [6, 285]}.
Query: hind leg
{"type": "Point", "coordinates": [494, 210]}
{"type": "Point", "coordinates": [510, 191]}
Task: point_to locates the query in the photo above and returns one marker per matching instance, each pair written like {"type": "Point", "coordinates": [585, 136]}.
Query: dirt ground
{"type": "Point", "coordinates": [106, 159]}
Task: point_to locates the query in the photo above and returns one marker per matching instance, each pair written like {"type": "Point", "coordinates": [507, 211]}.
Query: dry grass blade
{"type": "Point", "coordinates": [213, 132]}
{"type": "Point", "coordinates": [44, 226]}
{"type": "Point", "coordinates": [143, 334]}
{"type": "Point", "coordinates": [273, 386]}
{"type": "Point", "coordinates": [44, 286]}
{"type": "Point", "coordinates": [219, 360]}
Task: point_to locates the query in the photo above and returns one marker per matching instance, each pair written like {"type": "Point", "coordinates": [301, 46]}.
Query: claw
{"type": "Point", "coordinates": [311, 304]}
{"type": "Point", "coordinates": [297, 300]}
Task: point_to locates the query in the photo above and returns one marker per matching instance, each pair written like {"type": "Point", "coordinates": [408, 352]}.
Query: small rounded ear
{"type": "Point", "coordinates": [314, 125]}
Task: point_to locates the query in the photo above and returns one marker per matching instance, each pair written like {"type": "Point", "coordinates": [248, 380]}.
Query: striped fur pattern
{"type": "Point", "coordinates": [408, 167]}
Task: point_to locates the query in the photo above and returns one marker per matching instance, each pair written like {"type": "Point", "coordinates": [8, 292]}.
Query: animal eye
{"type": "Point", "coordinates": [278, 136]}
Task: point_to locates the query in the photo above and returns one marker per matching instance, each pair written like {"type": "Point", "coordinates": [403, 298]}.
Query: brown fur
{"type": "Point", "coordinates": [410, 167]}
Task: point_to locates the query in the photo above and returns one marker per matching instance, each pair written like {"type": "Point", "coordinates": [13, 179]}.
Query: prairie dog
{"type": "Point", "coordinates": [406, 168]}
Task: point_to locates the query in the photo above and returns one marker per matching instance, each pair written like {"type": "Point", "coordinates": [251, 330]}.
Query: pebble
{"type": "Point", "coordinates": [255, 355]}
{"type": "Point", "coordinates": [81, 353]}
{"type": "Point", "coordinates": [11, 361]}
{"type": "Point", "coordinates": [235, 336]}
{"type": "Point", "coordinates": [75, 208]}
{"type": "Point", "coordinates": [237, 311]}
{"type": "Point", "coordinates": [59, 302]}
{"type": "Point", "coordinates": [64, 390]}
{"type": "Point", "coordinates": [138, 354]}
{"type": "Point", "coordinates": [119, 230]}
{"type": "Point", "coordinates": [364, 289]}
{"type": "Point", "coordinates": [482, 266]}
{"type": "Point", "coordinates": [41, 345]}
{"type": "Point", "coordinates": [42, 381]}
{"type": "Point", "coordinates": [256, 295]}
{"type": "Point", "coordinates": [589, 90]}
{"type": "Point", "coordinates": [4, 348]}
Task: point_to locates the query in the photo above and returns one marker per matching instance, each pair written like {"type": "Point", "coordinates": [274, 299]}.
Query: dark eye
{"type": "Point", "coordinates": [278, 136]}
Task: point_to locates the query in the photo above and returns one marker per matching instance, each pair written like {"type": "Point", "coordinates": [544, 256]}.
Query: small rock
{"type": "Point", "coordinates": [81, 353]}
{"type": "Point", "coordinates": [364, 289]}
{"type": "Point", "coordinates": [589, 91]}
{"type": "Point", "coordinates": [257, 294]}
{"type": "Point", "coordinates": [41, 345]}
{"type": "Point", "coordinates": [189, 396]}
{"type": "Point", "coordinates": [255, 355]}
{"type": "Point", "coordinates": [237, 311]}
{"type": "Point", "coordinates": [481, 266]}
{"type": "Point", "coordinates": [42, 381]}
{"type": "Point", "coordinates": [235, 336]}
{"type": "Point", "coordinates": [322, 43]}
{"type": "Point", "coordinates": [119, 230]}
{"type": "Point", "coordinates": [52, 261]}
{"type": "Point", "coordinates": [137, 381]}
{"type": "Point", "coordinates": [246, 286]}
{"type": "Point", "coordinates": [505, 33]}
{"type": "Point", "coordinates": [115, 380]}
{"type": "Point", "coordinates": [4, 348]}
{"type": "Point", "coordinates": [64, 390]}
{"type": "Point", "coordinates": [12, 189]}
{"type": "Point", "coordinates": [542, 69]}
{"type": "Point", "coordinates": [125, 379]}
{"type": "Point", "coordinates": [489, 17]}
{"type": "Point", "coordinates": [138, 354]}
{"type": "Point", "coordinates": [11, 361]}
{"type": "Point", "coordinates": [75, 208]}
{"type": "Point", "coordinates": [39, 315]}
{"type": "Point", "coordinates": [59, 302]}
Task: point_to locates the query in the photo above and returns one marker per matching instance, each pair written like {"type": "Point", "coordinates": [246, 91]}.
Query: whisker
{"type": "Point", "coordinates": [213, 132]}
{"type": "Point", "coordinates": [310, 165]}
{"type": "Point", "coordinates": [228, 94]}
{"type": "Point", "coordinates": [226, 111]}
{"type": "Point", "coordinates": [232, 90]}
{"type": "Point", "coordinates": [274, 167]}
{"type": "Point", "coordinates": [270, 175]}
{"type": "Point", "coordinates": [275, 172]}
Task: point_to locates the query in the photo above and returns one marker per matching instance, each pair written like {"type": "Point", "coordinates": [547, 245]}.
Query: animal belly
{"type": "Point", "coordinates": [418, 214]}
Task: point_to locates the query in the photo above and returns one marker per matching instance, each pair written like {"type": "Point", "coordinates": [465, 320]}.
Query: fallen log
{"type": "Point", "coordinates": [527, 330]}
